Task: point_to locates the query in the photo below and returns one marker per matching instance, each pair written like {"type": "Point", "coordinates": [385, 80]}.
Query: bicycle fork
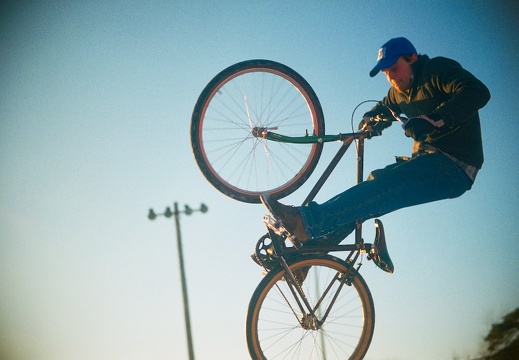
{"type": "Point", "coordinates": [309, 319]}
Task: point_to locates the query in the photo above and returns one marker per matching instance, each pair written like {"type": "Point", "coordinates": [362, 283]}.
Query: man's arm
{"type": "Point", "coordinates": [466, 93]}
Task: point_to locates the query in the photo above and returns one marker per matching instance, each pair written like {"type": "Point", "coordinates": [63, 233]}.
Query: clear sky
{"type": "Point", "coordinates": [95, 106]}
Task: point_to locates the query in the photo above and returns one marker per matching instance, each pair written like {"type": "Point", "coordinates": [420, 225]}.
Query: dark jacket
{"type": "Point", "coordinates": [442, 89]}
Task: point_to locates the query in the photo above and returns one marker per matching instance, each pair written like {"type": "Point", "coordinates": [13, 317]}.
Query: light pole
{"type": "Point", "coordinates": [168, 213]}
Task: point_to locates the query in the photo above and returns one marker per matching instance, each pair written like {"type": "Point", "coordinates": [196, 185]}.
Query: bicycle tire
{"type": "Point", "coordinates": [256, 93]}
{"type": "Point", "coordinates": [274, 332]}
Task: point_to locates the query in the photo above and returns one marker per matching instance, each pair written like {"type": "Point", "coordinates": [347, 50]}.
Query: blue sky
{"type": "Point", "coordinates": [95, 108]}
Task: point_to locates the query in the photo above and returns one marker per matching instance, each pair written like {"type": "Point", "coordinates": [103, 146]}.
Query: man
{"type": "Point", "coordinates": [441, 100]}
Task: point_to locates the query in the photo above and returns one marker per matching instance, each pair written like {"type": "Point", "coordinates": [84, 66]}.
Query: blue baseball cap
{"type": "Point", "coordinates": [390, 52]}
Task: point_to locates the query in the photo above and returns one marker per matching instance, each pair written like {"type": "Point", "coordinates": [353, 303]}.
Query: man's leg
{"type": "Point", "coordinates": [422, 179]}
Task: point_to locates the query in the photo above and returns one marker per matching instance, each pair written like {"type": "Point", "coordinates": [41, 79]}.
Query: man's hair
{"type": "Point", "coordinates": [407, 57]}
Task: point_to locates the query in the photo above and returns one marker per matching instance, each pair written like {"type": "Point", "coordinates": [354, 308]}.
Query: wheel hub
{"type": "Point", "coordinates": [310, 322]}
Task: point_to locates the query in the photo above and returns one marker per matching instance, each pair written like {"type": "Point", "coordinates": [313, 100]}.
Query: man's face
{"type": "Point", "coordinates": [400, 74]}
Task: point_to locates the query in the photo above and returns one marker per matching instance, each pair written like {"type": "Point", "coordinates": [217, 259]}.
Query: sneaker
{"type": "Point", "coordinates": [288, 216]}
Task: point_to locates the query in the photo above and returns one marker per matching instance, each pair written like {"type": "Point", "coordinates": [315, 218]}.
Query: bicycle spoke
{"type": "Point", "coordinates": [250, 95]}
{"type": "Point", "coordinates": [339, 326]}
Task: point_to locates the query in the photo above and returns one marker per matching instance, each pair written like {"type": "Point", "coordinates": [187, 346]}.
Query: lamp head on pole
{"type": "Point", "coordinates": [152, 215]}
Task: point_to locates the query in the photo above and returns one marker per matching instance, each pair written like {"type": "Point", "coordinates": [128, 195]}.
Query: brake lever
{"type": "Point", "coordinates": [398, 118]}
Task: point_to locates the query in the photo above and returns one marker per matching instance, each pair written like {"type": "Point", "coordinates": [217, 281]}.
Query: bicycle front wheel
{"type": "Point", "coordinates": [342, 323]}
{"type": "Point", "coordinates": [250, 95]}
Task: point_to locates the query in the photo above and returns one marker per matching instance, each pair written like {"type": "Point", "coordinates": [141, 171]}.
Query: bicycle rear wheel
{"type": "Point", "coordinates": [256, 94]}
{"type": "Point", "coordinates": [277, 328]}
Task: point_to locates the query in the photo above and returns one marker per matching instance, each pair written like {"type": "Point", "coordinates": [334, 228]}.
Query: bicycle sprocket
{"type": "Point", "coordinates": [264, 253]}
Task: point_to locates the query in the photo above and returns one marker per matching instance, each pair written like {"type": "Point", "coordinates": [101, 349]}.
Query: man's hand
{"type": "Point", "coordinates": [368, 124]}
{"type": "Point", "coordinates": [419, 127]}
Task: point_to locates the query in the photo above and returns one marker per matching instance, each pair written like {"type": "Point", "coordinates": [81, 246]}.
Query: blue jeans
{"type": "Point", "coordinates": [422, 179]}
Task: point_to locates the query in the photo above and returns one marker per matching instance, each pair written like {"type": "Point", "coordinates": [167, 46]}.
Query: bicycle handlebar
{"type": "Point", "coordinates": [394, 117]}
{"type": "Point", "coordinates": [266, 133]}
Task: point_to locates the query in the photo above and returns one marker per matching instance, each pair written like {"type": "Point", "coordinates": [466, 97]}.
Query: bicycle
{"type": "Point", "coordinates": [310, 304]}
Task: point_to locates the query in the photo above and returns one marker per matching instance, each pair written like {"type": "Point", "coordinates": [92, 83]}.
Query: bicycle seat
{"type": "Point", "coordinates": [381, 256]}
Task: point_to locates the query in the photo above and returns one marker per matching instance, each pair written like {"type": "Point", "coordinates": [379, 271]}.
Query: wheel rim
{"type": "Point", "coordinates": [248, 166]}
{"type": "Point", "coordinates": [346, 332]}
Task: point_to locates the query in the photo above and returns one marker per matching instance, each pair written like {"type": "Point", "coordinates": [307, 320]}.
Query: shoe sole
{"type": "Point", "coordinates": [265, 201]}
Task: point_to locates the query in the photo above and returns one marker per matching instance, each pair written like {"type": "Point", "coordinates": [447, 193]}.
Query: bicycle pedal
{"type": "Point", "coordinates": [278, 229]}
{"type": "Point", "coordinates": [274, 225]}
